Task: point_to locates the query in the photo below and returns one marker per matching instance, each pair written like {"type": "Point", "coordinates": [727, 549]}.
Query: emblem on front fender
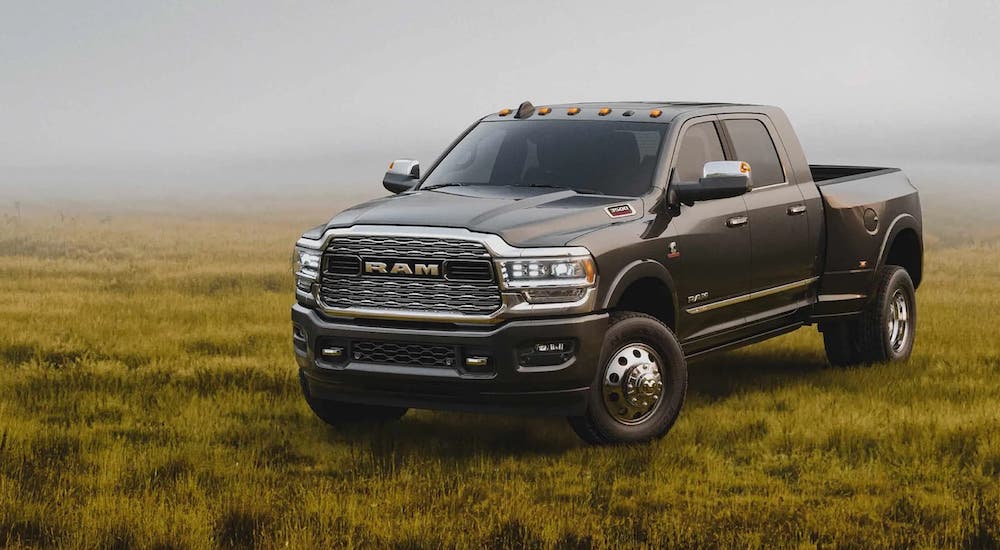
{"type": "Point", "coordinates": [620, 210]}
{"type": "Point", "coordinates": [697, 297]}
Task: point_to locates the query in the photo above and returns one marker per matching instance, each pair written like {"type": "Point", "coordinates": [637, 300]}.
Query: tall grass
{"type": "Point", "coordinates": [148, 398]}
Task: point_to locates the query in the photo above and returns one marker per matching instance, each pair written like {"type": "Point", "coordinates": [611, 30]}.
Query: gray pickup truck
{"type": "Point", "coordinates": [571, 259]}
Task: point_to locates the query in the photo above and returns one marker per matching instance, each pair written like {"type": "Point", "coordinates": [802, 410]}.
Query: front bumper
{"type": "Point", "coordinates": [507, 386]}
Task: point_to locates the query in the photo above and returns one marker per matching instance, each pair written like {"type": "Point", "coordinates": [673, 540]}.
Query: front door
{"type": "Point", "coordinates": [710, 255]}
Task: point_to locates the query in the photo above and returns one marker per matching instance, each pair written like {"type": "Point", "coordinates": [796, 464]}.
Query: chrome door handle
{"type": "Point", "coordinates": [737, 221]}
{"type": "Point", "coordinates": [796, 210]}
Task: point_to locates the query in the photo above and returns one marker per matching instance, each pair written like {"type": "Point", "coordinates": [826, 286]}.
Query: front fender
{"type": "Point", "coordinates": [635, 271]}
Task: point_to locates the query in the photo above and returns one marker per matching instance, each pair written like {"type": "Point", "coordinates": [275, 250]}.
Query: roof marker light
{"type": "Point", "coordinates": [544, 111]}
{"type": "Point", "coordinates": [604, 111]}
{"type": "Point", "coordinates": [525, 110]}
{"type": "Point", "coordinates": [655, 113]}
{"type": "Point", "coordinates": [572, 111]}
{"type": "Point", "coordinates": [504, 112]}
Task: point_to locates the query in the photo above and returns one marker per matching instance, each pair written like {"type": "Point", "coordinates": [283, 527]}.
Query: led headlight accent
{"type": "Point", "coordinates": [554, 295]}
{"type": "Point", "coordinates": [305, 263]}
{"type": "Point", "coordinates": [547, 272]}
{"type": "Point", "coordinates": [549, 280]}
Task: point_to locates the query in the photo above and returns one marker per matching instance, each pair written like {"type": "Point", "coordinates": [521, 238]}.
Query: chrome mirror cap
{"type": "Point", "coordinates": [405, 167]}
{"type": "Point", "coordinates": [403, 175]}
{"type": "Point", "coordinates": [725, 168]}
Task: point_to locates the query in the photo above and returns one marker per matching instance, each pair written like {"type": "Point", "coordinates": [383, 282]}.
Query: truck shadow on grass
{"type": "Point", "coordinates": [456, 437]}
{"type": "Point", "coordinates": [720, 376]}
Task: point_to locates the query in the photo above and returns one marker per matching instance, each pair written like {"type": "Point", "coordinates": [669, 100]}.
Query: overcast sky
{"type": "Point", "coordinates": [254, 94]}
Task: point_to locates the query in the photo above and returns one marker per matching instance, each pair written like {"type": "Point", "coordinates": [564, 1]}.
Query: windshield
{"type": "Point", "coordinates": [588, 156]}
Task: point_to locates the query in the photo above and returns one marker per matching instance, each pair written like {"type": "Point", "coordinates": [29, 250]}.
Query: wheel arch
{"type": "Point", "coordinates": [645, 286]}
{"type": "Point", "coordinates": [903, 246]}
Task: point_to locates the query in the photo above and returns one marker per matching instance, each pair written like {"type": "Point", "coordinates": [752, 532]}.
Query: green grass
{"type": "Point", "coordinates": [148, 398]}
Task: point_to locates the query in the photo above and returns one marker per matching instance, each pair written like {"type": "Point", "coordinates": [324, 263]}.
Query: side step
{"type": "Point", "coordinates": [747, 341]}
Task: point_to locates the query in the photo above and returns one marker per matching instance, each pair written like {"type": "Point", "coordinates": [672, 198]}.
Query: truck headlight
{"type": "Point", "coordinates": [305, 266]}
{"type": "Point", "coordinates": [549, 280]}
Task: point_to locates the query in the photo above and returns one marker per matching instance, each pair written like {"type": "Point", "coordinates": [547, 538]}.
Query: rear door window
{"type": "Point", "coordinates": [753, 144]}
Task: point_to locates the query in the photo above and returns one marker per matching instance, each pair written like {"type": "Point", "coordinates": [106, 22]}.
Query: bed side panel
{"type": "Point", "coordinates": [853, 251]}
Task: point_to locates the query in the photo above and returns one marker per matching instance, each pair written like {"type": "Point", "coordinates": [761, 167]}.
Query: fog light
{"type": "Point", "coordinates": [546, 354]}
{"type": "Point", "coordinates": [551, 346]}
{"type": "Point", "coordinates": [333, 352]}
{"type": "Point", "coordinates": [476, 362]}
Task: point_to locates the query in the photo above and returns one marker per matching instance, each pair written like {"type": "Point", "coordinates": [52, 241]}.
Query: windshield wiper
{"type": "Point", "coordinates": [581, 190]}
{"type": "Point", "coordinates": [440, 185]}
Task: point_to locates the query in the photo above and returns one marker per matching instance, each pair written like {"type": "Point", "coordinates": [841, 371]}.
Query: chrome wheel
{"type": "Point", "coordinates": [633, 386]}
{"type": "Point", "coordinates": [898, 320]}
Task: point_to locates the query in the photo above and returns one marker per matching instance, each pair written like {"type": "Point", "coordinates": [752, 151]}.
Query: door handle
{"type": "Point", "coordinates": [796, 210]}
{"type": "Point", "coordinates": [737, 221]}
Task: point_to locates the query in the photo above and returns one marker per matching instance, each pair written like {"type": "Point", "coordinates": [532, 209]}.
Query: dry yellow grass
{"type": "Point", "coordinates": [148, 398]}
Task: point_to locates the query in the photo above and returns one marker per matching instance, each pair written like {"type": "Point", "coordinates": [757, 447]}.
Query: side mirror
{"type": "Point", "coordinates": [402, 175]}
{"type": "Point", "coordinates": [720, 179]}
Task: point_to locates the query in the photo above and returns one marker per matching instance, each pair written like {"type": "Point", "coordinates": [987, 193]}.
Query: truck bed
{"type": "Point", "coordinates": [853, 197]}
{"type": "Point", "coordinates": [824, 174]}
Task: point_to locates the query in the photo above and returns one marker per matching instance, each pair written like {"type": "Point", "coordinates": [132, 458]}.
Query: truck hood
{"type": "Point", "coordinates": [523, 216]}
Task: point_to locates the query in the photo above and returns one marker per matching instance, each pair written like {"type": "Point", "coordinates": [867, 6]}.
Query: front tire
{"type": "Point", "coordinates": [639, 386]}
{"type": "Point", "coordinates": [339, 413]}
{"type": "Point", "coordinates": [884, 331]}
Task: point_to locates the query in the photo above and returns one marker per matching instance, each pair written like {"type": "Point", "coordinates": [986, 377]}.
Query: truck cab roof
{"type": "Point", "coordinates": [635, 111]}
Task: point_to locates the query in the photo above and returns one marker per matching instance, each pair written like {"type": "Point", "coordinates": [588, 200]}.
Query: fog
{"type": "Point", "coordinates": [160, 99]}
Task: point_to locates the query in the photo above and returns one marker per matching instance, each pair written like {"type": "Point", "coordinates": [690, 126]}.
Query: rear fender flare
{"type": "Point", "coordinates": [899, 224]}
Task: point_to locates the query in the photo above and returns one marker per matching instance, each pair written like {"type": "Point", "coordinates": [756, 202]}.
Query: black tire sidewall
{"type": "Point", "coordinates": [645, 330]}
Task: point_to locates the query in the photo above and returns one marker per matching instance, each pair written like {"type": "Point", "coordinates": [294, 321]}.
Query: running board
{"type": "Point", "coordinates": [747, 341]}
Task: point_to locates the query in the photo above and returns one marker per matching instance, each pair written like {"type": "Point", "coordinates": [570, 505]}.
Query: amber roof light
{"type": "Point", "coordinates": [655, 113]}
{"type": "Point", "coordinates": [504, 112]}
{"type": "Point", "coordinates": [604, 111]}
{"type": "Point", "coordinates": [572, 110]}
{"type": "Point", "coordinates": [544, 111]}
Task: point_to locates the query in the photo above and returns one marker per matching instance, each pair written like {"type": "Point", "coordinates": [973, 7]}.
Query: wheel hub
{"type": "Point", "coordinates": [898, 322]}
{"type": "Point", "coordinates": [642, 385]}
{"type": "Point", "coordinates": [633, 386]}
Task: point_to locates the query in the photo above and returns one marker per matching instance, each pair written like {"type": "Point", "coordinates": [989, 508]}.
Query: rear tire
{"type": "Point", "coordinates": [339, 413]}
{"type": "Point", "coordinates": [884, 331]}
{"type": "Point", "coordinates": [639, 386]}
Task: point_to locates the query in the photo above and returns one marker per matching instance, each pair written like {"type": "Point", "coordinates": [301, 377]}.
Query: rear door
{"type": "Point", "coordinates": [710, 258]}
{"type": "Point", "coordinates": [780, 254]}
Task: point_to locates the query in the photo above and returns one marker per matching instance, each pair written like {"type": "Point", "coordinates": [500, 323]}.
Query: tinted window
{"type": "Point", "coordinates": [699, 145]}
{"type": "Point", "coordinates": [752, 143]}
{"type": "Point", "coordinates": [613, 158]}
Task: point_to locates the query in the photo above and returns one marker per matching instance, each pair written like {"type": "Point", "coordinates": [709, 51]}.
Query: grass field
{"type": "Point", "coordinates": [148, 398]}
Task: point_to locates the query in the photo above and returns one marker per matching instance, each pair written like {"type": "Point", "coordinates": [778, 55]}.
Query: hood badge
{"type": "Point", "coordinates": [620, 210]}
{"type": "Point", "coordinates": [672, 251]}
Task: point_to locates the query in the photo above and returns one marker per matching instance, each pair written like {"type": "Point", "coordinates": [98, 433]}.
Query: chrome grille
{"type": "Point", "coordinates": [403, 353]}
{"type": "Point", "coordinates": [410, 294]}
{"type": "Point", "coordinates": [470, 289]}
{"type": "Point", "coordinates": [408, 247]}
